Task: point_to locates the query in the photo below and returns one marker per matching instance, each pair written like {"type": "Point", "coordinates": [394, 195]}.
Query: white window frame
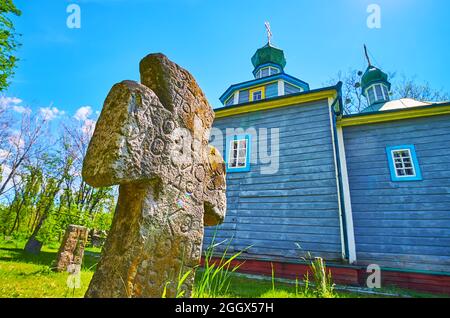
{"type": "Point", "coordinates": [404, 168]}
{"type": "Point", "coordinates": [238, 151]}
{"type": "Point", "coordinates": [271, 71]}
{"type": "Point", "coordinates": [377, 97]}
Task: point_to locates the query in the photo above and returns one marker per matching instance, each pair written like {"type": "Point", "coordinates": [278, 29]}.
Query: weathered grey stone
{"type": "Point", "coordinates": [71, 251]}
{"type": "Point", "coordinates": [33, 246]}
{"type": "Point", "coordinates": [97, 238]}
{"type": "Point", "coordinates": [152, 140]}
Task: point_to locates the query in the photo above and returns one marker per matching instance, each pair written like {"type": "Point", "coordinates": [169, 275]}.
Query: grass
{"type": "Point", "coordinates": [214, 279]}
{"type": "Point", "coordinates": [29, 276]}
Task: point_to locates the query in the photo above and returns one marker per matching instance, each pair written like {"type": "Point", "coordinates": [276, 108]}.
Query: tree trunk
{"type": "Point", "coordinates": [17, 221]}
{"type": "Point", "coordinates": [33, 246]}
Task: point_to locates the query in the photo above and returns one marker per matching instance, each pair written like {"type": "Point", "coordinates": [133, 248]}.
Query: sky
{"type": "Point", "coordinates": [70, 71]}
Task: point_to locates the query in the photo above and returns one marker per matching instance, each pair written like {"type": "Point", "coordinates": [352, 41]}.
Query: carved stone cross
{"type": "Point", "coordinates": [152, 140]}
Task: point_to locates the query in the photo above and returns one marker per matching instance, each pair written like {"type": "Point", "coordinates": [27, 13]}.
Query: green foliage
{"type": "Point", "coordinates": [322, 282]}
{"type": "Point", "coordinates": [50, 197]}
{"type": "Point", "coordinates": [181, 280]}
{"type": "Point", "coordinates": [215, 278]}
{"type": "Point", "coordinates": [8, 42]}
{"type": "Point", "coordinates": [322, 279]}
{"type": "Point", "coordinates": [273, 277]}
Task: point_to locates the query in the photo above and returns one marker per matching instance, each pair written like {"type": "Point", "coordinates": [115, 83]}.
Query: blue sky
{"type": "Point", "coordinates": [70, 68]}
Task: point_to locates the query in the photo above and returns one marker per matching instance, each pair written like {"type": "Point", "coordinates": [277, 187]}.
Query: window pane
{"type": "Point", "coordinates": [379, 92]}
{"type": "Point", "coordinates": [238, 154]}
{"type": "Point", "coordinates": [403, 163]}
{"type": "Point", "coordinates": [371, 95]}
{"type": "Point", "coordinates": [386, 92]}
{"type": "Point", "coordinates": [257, 95]}
{"type": "Point", "coordinates": [264, 72]}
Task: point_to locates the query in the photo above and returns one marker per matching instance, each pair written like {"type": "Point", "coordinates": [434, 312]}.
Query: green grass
{"type": "Point", "coordinates": [242, 287]}
{"type": "Point", "coordinates": [30, 276]}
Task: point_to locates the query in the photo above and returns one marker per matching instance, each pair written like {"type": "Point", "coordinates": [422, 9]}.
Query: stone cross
{"type": "Point", "coordinates": [152, 140]}
{"type": "Point", "coordinates": [71, 250]}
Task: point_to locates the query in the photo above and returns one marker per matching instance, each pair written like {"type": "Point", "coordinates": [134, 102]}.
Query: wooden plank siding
{"type": "Point", "coordinates": [299, 203]}
{"type": "Point", "coordinates": [402, 225]}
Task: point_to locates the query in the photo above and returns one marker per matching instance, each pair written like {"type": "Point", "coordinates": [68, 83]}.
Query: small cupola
{"type": "Point", "coordinates": [375, 85]}
{"type": "Point", "coordinates": [270, 79]}
{"type": "Point", "coordinates": [268, 61]}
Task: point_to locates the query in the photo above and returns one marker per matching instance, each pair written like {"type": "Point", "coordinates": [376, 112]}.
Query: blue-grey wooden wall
{"type": "Point", "coordinates": [401, 224]}
{"type": "Point", "coordinates": [298, 204]}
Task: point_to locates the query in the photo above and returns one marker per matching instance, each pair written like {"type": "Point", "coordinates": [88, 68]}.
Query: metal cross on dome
{"type": "Point", "coordinates": [269, 32]}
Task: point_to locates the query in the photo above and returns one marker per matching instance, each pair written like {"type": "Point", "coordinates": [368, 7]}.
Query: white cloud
{"type": "Point", "coordinates": [16, 141]}
{"type": "Point", "coordinates": [83, 113]}
{"type": "Point", "coordinates": [6, 170]}
{"type": "Point", "coordinates": [50, 113]}
{"type": "Point", "coordinates": [7, 102]}
{"type": "Point", "coordinates": [21, 110]}
{"type": "Point", "coordinates": [4, 154]}
{"type": "Point", "coordinates": [88, 127]}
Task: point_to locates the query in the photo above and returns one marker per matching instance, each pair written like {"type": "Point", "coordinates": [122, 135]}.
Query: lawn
{"type": "Point", "coordinates": [30, 276]}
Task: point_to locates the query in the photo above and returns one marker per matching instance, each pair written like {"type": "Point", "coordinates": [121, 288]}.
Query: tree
{"type": "Point", "coordinates": [409, 88]}
{"type": "Point", "coordinates": [355, 102]}
{"type": "Point", "coordinates": [352, 98]}
{"type": "Point", "coordinates": [64, 197]}
{"type": "Point", "coordinates": [19, 147]}
{"type": "Point", "coordinates": [58, 170]}
{"type": "Point", "coordinates": [8, 42]}
{"type": "Point", "coordinates": [42, 190]}
{"type": "Point", "coordinates": [78, 195]}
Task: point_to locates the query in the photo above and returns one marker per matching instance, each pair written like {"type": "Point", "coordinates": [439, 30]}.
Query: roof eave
{"type": "Point", "coordinates": [250, 83]}
{"type": "Point", "coordinates": [274, 101]}
{"type": "Point", "coordinates": [395, 114]}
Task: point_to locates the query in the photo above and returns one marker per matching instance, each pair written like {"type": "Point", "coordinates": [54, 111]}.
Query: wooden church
{"type": "Point", "coordinates": [360, 189]}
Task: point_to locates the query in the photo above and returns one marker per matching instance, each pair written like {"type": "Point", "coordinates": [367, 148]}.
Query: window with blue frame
{"type": "Point", "coordinates": [403, 163]}
{"type": "Point", "coordinates": [257, 95]}
{"type": "Point", "coordinates": [238, 153]}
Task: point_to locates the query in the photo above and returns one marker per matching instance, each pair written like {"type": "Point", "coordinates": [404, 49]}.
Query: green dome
{"type": "Point", "coordinates": [269, 54]}
{"type": "Point", "coordinates": [374, 75]}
